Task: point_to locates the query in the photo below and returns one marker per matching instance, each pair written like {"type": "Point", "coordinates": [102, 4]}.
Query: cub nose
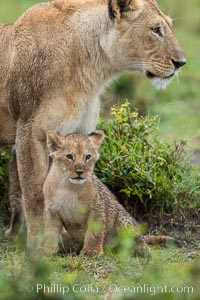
{"type": "Point", "coordinates": [178, 63]}
{"type": "Point", "coordinates": [79, 172]}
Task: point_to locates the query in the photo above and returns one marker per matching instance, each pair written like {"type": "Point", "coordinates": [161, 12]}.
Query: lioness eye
{"type": "Point", "coordinates": [88, 157]}
{"type": "Point", "coordinates": [157, 30]}
{"type": "Point", "coordinates": [69, 157]}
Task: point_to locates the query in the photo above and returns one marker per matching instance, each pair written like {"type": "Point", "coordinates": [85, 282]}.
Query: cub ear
{"type": "Point", "coordinates": [117, 8]}
{"type": "Point", "coordinates": [96, 138]}
{"type": "Point", "coordinates": [54, 141]}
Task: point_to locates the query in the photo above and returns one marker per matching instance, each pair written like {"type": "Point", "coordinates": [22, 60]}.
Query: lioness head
{"type": "Point", "coordinates": [75, 154]}
{"type": "Point", "coordinates": [142, 39]}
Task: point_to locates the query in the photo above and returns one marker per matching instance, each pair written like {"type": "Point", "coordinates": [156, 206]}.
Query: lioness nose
{"type": "Point", "coordinates": [178, 63]}
{"type": "Point", "coordinates": [79, 172]}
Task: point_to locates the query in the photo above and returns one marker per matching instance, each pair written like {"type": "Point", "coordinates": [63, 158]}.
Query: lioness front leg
{"type": "Point", "coordinates": [32, 168]}
{"type": "Point", "coordinates": [94, 237]}
{"type": "Point", "coordinates": [15, 194]}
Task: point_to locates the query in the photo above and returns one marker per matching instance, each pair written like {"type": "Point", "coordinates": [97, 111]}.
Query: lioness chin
{"type": "Point", "coordinates": [55, 61]}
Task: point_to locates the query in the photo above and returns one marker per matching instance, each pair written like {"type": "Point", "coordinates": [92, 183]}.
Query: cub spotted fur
{"type": "Point", "coordinates": [77, 200]}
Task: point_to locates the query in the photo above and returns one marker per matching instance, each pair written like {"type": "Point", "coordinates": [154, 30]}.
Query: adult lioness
{"type": "Point", "coordinates": [55, 61]}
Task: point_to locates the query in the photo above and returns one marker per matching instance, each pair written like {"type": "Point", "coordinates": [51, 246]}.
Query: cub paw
{"type": "Point", "coordinates": [91, 252]}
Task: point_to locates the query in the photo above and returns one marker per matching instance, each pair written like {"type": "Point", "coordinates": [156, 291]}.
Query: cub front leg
{"type": "Point", "coordinates": [52, 231]}
{"type": "Point", "coordinates": [32, 168]}
{"type": "Point", "coordinates": [95, 234]}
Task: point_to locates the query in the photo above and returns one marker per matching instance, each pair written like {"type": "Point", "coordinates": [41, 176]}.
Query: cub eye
{"type": "Point", "coordinates": [88, 157]}
{"type": "Point", "coordinates": [157, 30]}
{"type": "Point", "coordinates": [69, 157]}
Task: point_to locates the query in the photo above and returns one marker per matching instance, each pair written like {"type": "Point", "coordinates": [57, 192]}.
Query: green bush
{"type": "Point", "coordinates": [146, 173]}
{"type": "Point", "coordinates": [149, 176]}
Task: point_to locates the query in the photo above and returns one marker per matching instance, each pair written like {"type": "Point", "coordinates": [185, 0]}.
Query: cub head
{"type": "Point", "coordinates": [75, 154]}
{"type": "Point", "coordinates": [141, 38]}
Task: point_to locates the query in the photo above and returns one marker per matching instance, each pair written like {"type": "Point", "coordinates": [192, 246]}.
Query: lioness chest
{"type": "Point", "coordinates": [67, 115]}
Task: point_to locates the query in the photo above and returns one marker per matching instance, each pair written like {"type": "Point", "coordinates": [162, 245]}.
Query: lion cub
{"type": "Point", "coordinates": [76, 200]}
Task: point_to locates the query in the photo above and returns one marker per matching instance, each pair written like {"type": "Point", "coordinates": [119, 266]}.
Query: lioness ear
{"type": "Point", "coordinates": [54, 141]}
{"type": "Point", "coordinates": [116, 8]}
{"type": "Point", "coordinates": [96, 138]}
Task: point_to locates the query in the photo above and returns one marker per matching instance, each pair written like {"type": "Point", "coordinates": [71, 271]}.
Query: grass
{"type": "Point", "coordinates": [24, 277]}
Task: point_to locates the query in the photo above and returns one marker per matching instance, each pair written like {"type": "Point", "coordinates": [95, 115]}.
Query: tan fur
{"type": "Point", "coordinates": [7, 123]}
{"type": "Point", "coordinates": [76, 199]}
{"type": "Point", "coordinates": [55, 61]}
{"type": "Point", "coordinates": [15, 195]}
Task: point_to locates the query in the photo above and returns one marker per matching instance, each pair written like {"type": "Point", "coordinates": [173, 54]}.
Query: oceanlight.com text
{"type": "Point", "coordinates": [112, 288]}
